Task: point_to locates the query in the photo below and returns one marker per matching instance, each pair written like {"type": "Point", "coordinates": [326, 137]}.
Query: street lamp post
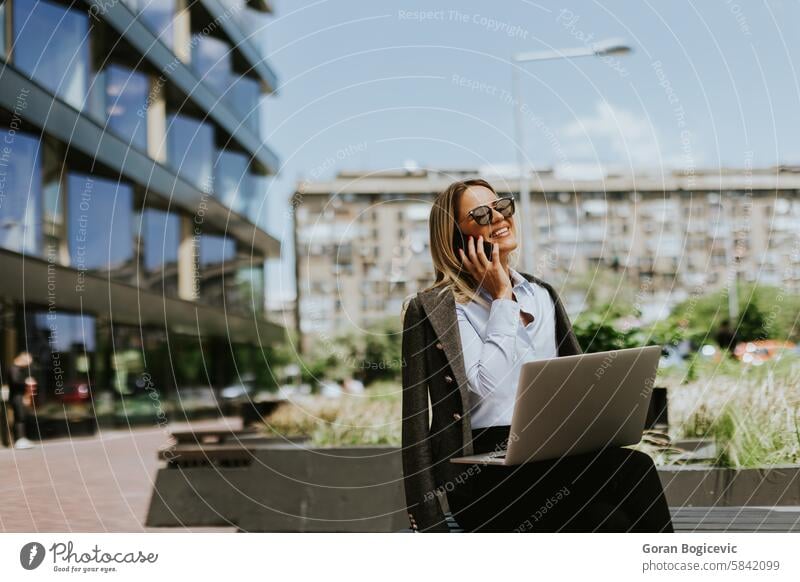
{"type": "Point", "coordinates": [601, 49]}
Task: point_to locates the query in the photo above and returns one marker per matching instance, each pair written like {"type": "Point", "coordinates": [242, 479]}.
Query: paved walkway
{"type": "Point", "coordinates": [87, 484]}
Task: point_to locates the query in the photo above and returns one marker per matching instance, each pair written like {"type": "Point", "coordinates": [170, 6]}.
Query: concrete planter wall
{"type": "Point", "coordinates": [282, 488]}
{"type": "Point", "coordinates": [257, 485]}
{"type": "Point", "coordinates": [705, 486]}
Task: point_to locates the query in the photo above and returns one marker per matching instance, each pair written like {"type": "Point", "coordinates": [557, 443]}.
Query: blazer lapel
{"type": "Point", "coordinates": [441, 311]}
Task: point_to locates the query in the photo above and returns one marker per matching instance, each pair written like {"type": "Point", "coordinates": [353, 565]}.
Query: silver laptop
{"type": "Point", "coordinates": [577, 404]}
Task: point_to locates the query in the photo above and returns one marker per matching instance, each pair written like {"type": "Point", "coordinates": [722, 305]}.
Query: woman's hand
{"type": "Point", "coordinates": [490, 274]}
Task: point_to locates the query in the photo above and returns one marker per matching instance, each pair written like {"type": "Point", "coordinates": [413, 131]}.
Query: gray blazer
{"type": "Point", "coordinates": [433, 369]}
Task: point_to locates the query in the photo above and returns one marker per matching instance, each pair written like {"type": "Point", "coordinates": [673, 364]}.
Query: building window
{"type": "Point", "coordinates": [217, 268]}
{"type": "Point", "coordinates": [232, 180]}
{"type": "Point", "coordinates": [216, 250]}
{"type": "Point", "coordinates": [62, 345]}
{"type": "Point", "coordinates": [190, 149]}
{"type": "Point", "coordinates": [249, 288]}
{"type": "Point", "coordinates": [100, 225]}
{"type": "Point", "coordinates": [157, 15]}
{"type": "Point", "coordinates": [160, 234]}
{"type": "Point", "coordinates": [53, 201]}
{"type": "Point", "coordinates": [51, 44]}
{"type": "Point", "coordinates": [20, 193]}
{"type": "Point", "coordinates": [2, 29]}
{"type": "Point", "coordinates": [126, 104]}
{"type": "Point", "coordinates": [211, 60]}
{"type": "Point", "coordinates": [245, 95]}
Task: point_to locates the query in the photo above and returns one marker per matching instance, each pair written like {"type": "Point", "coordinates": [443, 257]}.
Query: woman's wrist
{"type": "Point", "coordinates": [505, 293]}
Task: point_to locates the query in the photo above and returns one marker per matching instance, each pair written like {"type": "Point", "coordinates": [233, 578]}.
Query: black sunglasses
{"type": "Point", "coordinates": [483, 214]}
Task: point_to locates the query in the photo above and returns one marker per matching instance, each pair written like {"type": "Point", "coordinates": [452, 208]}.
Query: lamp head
{"type": "Point", "coordinates": [612, 46]}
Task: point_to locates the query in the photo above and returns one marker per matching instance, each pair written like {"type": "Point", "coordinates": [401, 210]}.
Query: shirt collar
{"type": "Point", "coordinates": [516, 278]}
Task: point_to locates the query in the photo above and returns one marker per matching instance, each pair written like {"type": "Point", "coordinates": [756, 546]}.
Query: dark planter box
{"type": "Point", "coordinates": [259, 484]}
{"type": "Point", "coordinates": [262, 486]}
{"type": "Point", "coordinates": [706, 486]}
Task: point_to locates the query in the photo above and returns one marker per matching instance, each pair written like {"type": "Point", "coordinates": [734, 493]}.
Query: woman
{"type": "Point", "coordinates": [464, 341]}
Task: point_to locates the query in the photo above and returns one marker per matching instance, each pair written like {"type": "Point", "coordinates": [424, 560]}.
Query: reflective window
{"type": "Point", "coordinates": [211, 60]}
{"type": "Point", "coordinates": [126, 103]}
{"type": "Point", "coordinates": [161, 234]}
{"type": "Point", "coordinates": [132, 362]}
{"type": "Point", "coordinates": [217, 268]}
{"type": "Point", "coordinates": [62, 345]}
{"type": "Point", "coordinates": [249, 288]}
{"type": "Point", "coordinates": [215, 250]}
{"type": "Point", "coordinates": [59, 62]}
{"type": "Point", "coordinates": [157, 15]}
{"type": "Point", "coordinates": [232, 184]}
{"type": "Point", "coordinates": [3, 29]}
{"type": "Point", "coordinates": [20, 192]}
{"type": "Point", "coordinates": [190, 149]}
{"type": "Point", "coordinates": [160, 240]}
{"type": "Point", "coordinates": [245, 94]}
{"type": "Point", "coordinates": [256, 208]}
{"type": "Point", "coordinates": [254, 23]}
{"type": "Point", "coordinates": [100, 228]}
{"type": "Point", "coordinates": [53, 201]}
{"type": "Point", "coordinates": [188, 361]}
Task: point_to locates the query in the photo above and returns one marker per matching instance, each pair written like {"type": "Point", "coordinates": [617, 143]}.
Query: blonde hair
{"type": "Point", "coordinates": [450, 273]}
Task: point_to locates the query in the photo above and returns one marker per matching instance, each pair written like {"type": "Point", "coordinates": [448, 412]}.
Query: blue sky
{"type": "Point", "coordinates": [373, 85]}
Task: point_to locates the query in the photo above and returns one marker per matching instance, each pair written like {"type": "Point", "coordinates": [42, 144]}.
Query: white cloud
{"type": "Point", "coordinates": [616, 135]}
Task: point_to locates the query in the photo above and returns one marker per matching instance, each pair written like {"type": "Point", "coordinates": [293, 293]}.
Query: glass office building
{"type": "Point", "coordinates": [130, 156]}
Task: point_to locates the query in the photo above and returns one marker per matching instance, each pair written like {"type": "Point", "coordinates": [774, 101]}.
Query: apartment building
{"type": "Point", "coordinates": [362, 238]}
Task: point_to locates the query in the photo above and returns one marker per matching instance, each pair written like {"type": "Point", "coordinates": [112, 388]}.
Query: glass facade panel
{"type": "Point", "coordinates": [126, 104]}
{"type": "Point", "coordinates": [59, 62]}
{"type": "Point", "coordinates": [254, 23]}
{"type": "Point", "coordinates": [256, 209]}
{"type": "Point", "coordinates": [190, 149]}
{"type": "Point", "coordinates": [211, 60]}
{"type": "Point", "coordinates": [216, 250]}
{"type": "Point", "coordinates": [133, 366]}
{"type": "Point", "coordinates": [100, 227]}
{"type": "Point", "coordinates": [245, 94]}
{"type": "Point", "coordinates": [249, 289]}
{"type": "Point", "coordinates": [232, 184]}
{"type": "Point", "coordinates": [189, 360]}
{"type": "Point", "coordinates": [62, 345]}
{"type": "Point", "coordinates": [217, 267]}
{"type": "Point", "coordinates": [2, 29]}
{"type": "Point", "coordinates": [53, 225]}
{"type": "Point", "coordinates": [20, 192]}
{"type": "Point", "coordinates": [160, 237]}
{"type": "Point", "coordinates": [157, 15]}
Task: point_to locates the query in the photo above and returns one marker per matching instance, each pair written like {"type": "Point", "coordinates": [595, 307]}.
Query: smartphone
{"type": "Point", "coordinates": [460, 242]}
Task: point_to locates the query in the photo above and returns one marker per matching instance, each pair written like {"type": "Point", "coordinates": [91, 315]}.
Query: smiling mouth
{"type": "Point", "coordinates": [500, 233]}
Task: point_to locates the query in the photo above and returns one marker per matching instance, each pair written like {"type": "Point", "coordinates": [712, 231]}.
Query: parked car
{"type": "Point", "coordinates": [76, 392]}
{"type": "Point", "coordinates": [233, 396]}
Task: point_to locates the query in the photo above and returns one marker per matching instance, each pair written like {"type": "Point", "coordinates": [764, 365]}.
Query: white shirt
{"type": "Point", "coordinates": [496, 343]}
